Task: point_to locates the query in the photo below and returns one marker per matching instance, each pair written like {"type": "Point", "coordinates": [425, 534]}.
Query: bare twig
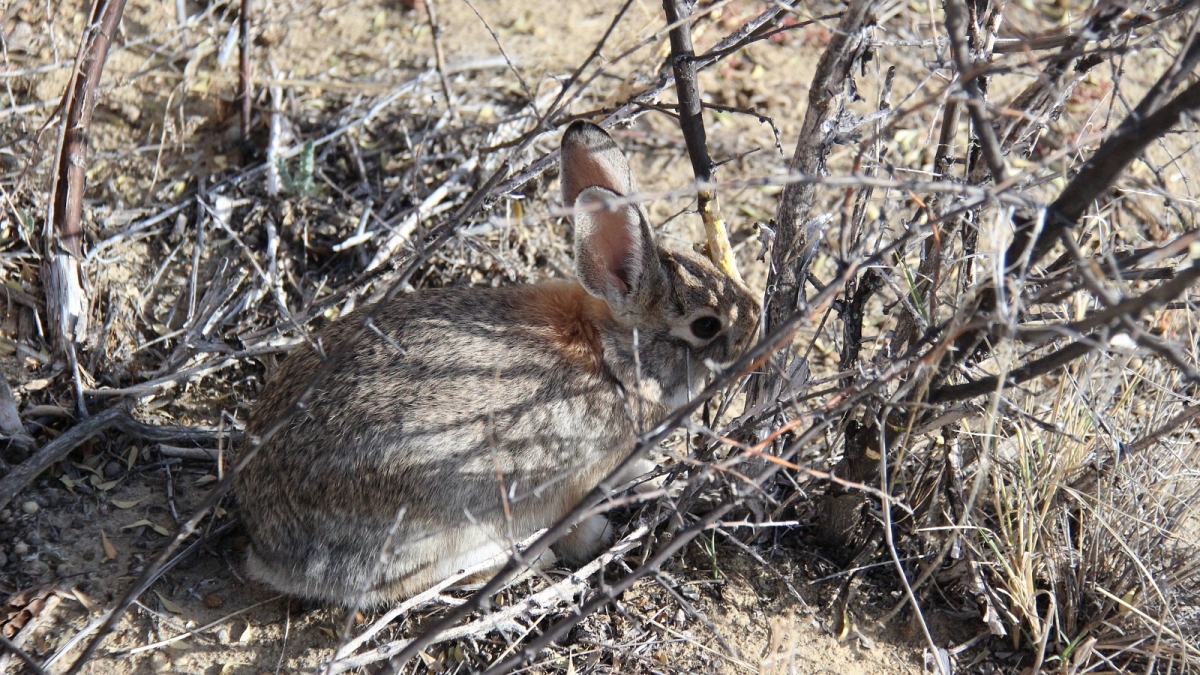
{"type": "Point", "coordinates": [691, 122]}
{"type": "Point", "coordinates": [531, 606]}
{"type": "Point", "coordinates": [956, 27]}
{"type": "Point", "coordinates": [435, 32]}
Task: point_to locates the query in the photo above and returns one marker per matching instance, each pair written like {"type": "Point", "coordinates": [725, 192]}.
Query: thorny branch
{"type": "Point", "coordinates": [795, 230]}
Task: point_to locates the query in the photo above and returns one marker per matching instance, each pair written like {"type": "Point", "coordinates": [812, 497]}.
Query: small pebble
{"type": "Point", "coordinates": [33, 539]}
{"type": "Point", "coordinates": [5, 516]}
{"type": "Point", "coordinates": [62, 570]}
{"type": "Point", "coordinates": [213, 601]}
{"type": "Point", "coordinates": [112, 469]}
{"type": "Point", "coordinates": [20, 548]}
{"type": "Point", "coordinates": [3, 559]}
{"type": "Point", "coordinates": [159, 661]}
{"type": "Point", "coordinates": [31, 507]}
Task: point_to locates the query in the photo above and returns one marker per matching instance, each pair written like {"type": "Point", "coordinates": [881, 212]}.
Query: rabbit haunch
{"type": "Point", "coordinates": [397, 472]}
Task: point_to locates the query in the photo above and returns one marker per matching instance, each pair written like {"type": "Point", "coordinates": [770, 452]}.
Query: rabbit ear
{"type": "Point", "coordinates": [590, 157]}
{"type": "Point", "coordinates": [615, 256]}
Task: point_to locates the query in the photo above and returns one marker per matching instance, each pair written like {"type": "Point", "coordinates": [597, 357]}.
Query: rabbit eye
{"type": "Point", "coordinates": [706, 327]}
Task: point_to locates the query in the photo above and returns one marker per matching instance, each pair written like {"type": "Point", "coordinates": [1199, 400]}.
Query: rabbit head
{"type": "Point", "coordinates": [689, 317]}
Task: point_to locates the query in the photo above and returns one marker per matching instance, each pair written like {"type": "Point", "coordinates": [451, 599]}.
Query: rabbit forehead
{"type": "Point", "coordinates": [697, 283]}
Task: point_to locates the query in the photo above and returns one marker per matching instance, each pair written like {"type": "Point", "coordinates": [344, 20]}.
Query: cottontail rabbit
{"type": "Point", "coordinates": [475, 416]}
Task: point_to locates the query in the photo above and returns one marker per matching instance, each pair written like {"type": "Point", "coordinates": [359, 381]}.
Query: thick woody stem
{"type": "Point", "coordinates": [66, 300]}
{"type": "Point", "coordinates": [691, 121]}
{"type": "Point", "coordinates": [794, 229]}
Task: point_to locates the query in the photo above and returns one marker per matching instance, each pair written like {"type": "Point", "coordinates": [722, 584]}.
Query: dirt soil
{"type": "Point", "coordinates": [71, 544]}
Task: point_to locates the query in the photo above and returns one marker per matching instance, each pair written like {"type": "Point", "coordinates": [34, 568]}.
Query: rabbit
{"type": "Point", "coordinates": [467, 418]}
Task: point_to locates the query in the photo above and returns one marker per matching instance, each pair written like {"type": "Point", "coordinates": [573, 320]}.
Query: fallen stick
{"type": "Point", "coordinates": [66, 299]}
{"type": "Point", "coordinates": [55, 450]}
{"type": "Point", "coordinates": [424, 597]}
{"type": "Point", "coordinates": [24, 473]}
{"type": "Point", "coordinates": [405, 231]}
{"type": "Point", "coordinates": [204, 454]}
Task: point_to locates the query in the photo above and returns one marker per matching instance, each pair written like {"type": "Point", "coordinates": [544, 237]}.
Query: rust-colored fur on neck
{"type": "Point", "coordinates": [572, 317]}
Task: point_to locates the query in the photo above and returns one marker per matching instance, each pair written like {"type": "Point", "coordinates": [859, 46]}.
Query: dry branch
{"type": "Point", "coordinates": [245, 86]}
{"type": "Point", "coordinates": [66, 299]}
{"type": "Point", "coordinates": [24, 473]}
{"type": "Point", "coordinates": [956, 28]}
{"type": "Point", "coordinates": [541, 603]}
{"type": "Point", "coordinates": [795, 231]}
{"type": "Point", "coordinates": [691, 122]}
{"type": "Point", "coordinates": [1036, 235]}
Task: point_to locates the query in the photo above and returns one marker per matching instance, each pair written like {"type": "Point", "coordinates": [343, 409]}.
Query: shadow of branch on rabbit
{"type": "Point", "coordinates": [477, 416]}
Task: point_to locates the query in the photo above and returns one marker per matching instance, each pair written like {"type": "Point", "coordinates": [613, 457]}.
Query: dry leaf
{"type": "Point", "coordinates": [131, 458]}
{"type": "Point", "coordinates": [206, 478]}
{"type": "Point", "coordinates": [146, 523]}
{"type": "Point", "coordinates": [37, 385]}
{"type": "Point", "coordinates": [328, 631]}
{"type": "Point", "coordinates": [125, 504]}
{"type": "Point", "coordinates": [170, 606]}
{"type": "Point", "coordinates": [88, 604]}
{"type": "Point", "coordinates": [66, 480]}
{"type": "Point", "coordinates": [110, 551]}
{"type": "Point", "coordinates": [85, 467]}
{"type": "Point", "coordinates": [104, 486]}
